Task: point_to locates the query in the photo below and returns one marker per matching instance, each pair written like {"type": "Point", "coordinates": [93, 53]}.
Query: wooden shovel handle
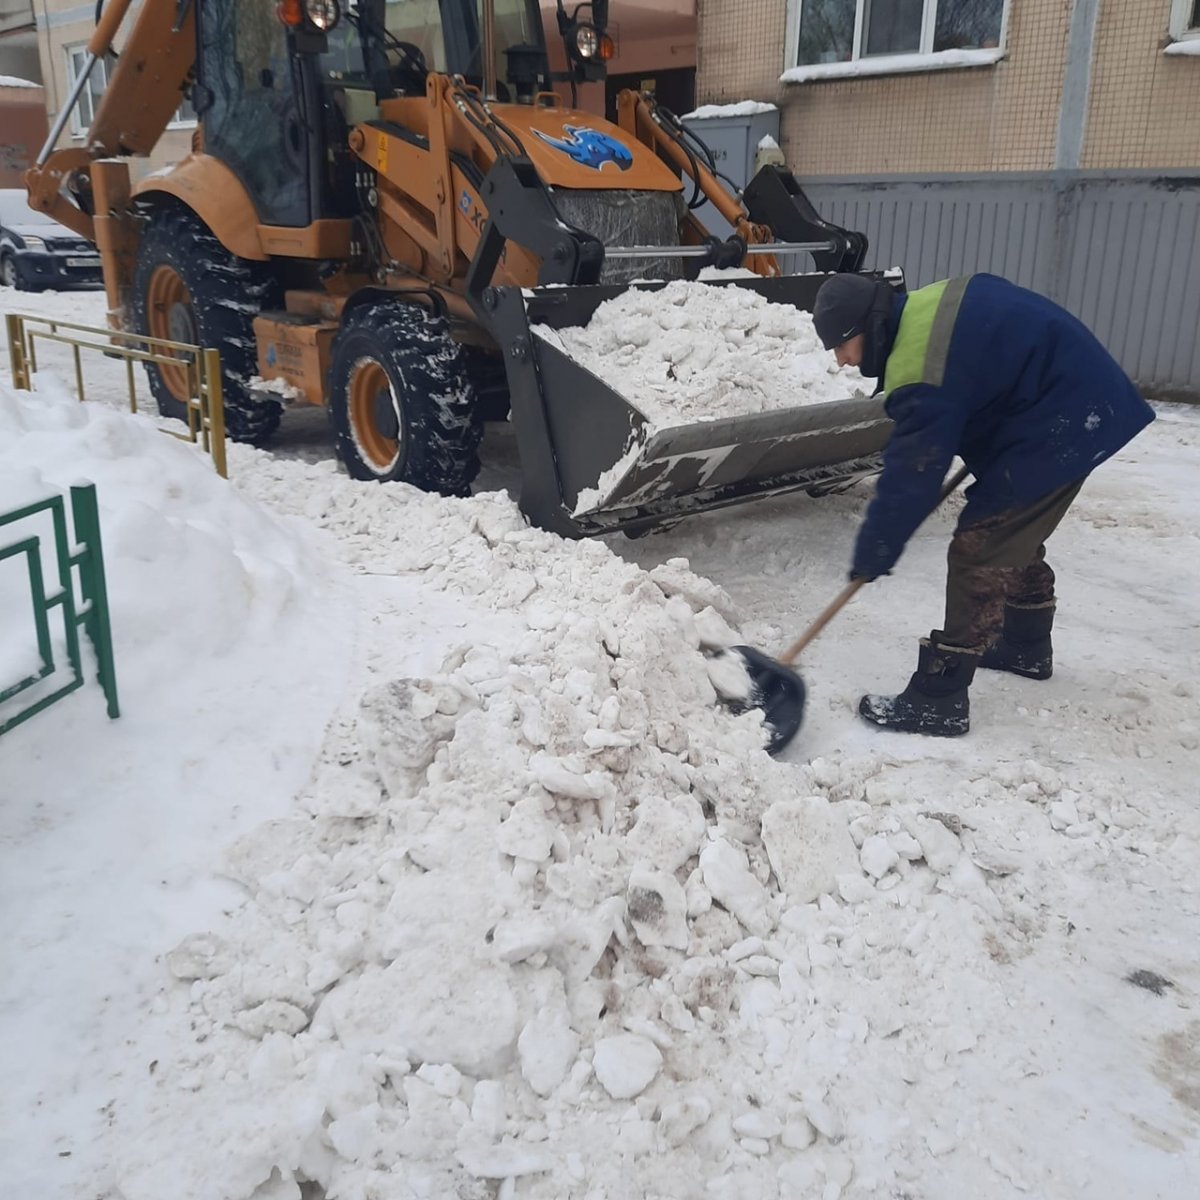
{"type": "Point", "coordinates": [851, 589]}
{"type": "Point", "coordinates": [843, 598]}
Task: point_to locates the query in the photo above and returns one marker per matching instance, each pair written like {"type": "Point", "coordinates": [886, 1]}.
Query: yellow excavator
{"type": "Point", "coordinates": [382, 203]}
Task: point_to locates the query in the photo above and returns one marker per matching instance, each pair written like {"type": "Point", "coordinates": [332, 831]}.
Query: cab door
{"type": "Point", "coordinates": [249, 96]}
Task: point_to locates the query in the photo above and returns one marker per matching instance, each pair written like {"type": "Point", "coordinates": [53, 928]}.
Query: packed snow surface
{"type": "Point", "coordinates": [14, 81]}
{"type": "Point", "coordinates": [423, 863]}
{"type": "Point", "coordinates": [696, 352]}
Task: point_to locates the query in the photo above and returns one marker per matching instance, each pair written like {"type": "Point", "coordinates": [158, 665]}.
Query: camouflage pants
{"type": "Point", "coordinates": [998, 560]}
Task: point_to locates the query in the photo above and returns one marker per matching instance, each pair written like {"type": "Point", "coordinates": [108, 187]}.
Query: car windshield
{"type": "Point", "coordinates": [15, 210]}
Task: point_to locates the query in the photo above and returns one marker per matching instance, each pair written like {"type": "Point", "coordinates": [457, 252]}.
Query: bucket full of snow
{"type": "Point", "coordinates": [636, 406]}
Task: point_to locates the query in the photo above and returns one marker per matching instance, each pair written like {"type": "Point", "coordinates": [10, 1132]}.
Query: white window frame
{"type": "Point", "coordinates": [179, 121]}
{"type": "Point", "coordinates": [76, 57]}
{"type": "Point", "coordinates": [1181, 14]}
{"type": "Point", "coordinates": [925, 58]}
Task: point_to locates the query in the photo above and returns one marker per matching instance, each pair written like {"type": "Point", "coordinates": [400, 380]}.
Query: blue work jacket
{"type": "Point", "coordinates": [1007, 380]}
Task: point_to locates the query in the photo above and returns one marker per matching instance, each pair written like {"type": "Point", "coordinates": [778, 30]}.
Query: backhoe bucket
{"type": "Point", "coordinates": [592, 463]}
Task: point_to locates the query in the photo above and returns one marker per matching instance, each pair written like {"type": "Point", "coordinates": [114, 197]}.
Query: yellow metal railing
{"type": "Point", "coordinates": [201, 368]}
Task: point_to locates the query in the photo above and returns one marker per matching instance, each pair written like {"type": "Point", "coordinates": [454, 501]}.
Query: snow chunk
{"type": "Point", "coordinates": [508, 1161]}
{"type": "Point", "coordinates": [728, 878]}
{"type": "Point", "coordinates": [563, 778]}
{"type": "Point", "coordinates": [431, 1005]}
{"type": "Point", "coordinates": [200, 956]}
{"type": "Point", "coordinates": [681, 1118]}
{"type": "Point", "coordinates": [526, 833]}
{"type": "Point", "coordinates": [547, 1047]}
{"type": "Point", "coordinates": [657, 909]}
{"type": "Point", "coordinates": [809, 845]}
{"type": "Point", "coordinates": [626, 1064]}
{"type": "Point", "coordinates": [939, 847]}
{"type": "Point", "coordinates": [878, 856]}
{"type": "Point", "coordinates": [668, 831]}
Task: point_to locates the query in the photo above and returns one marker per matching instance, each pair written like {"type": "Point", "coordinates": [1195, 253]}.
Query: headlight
{"type": "Point", "coordinates": [587, 41]}
{"type": "Point", "coordinates": [33, 243]}
{"type": "Point", "coordinates": [324, 14]}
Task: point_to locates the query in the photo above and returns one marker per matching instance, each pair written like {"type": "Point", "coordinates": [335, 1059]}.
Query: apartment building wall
{"type": "Point", "coordinates": [1141, 104]}
{"type": "Point", "coordinates": [1071, 166]}
{"type": "Point", "coordinates": [1144, 105]}
{"type": "Point", "coordinates": [65, 24]}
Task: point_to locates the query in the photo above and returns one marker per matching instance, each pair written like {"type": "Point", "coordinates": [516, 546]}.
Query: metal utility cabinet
{"type": "Point", "coordinates": [734, 143]}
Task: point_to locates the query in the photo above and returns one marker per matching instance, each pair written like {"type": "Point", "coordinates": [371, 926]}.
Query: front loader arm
{"type": "Point", "coordinates": [141, 97]}
{"type": "Point", "coordinates": [773, 206]}
{"type": "Point", "coordinates": [638, 114]}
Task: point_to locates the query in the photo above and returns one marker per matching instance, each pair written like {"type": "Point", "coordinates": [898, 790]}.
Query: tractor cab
{"type": "Point", "coordinates": [280, 84]}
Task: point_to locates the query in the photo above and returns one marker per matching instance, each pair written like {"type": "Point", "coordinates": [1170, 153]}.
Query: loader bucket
{"type": "Point", "coordinates": [591, 462]}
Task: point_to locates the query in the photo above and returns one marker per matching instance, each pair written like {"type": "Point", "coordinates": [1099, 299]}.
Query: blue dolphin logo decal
{"type": "Point", "coordinates": [590, 147]}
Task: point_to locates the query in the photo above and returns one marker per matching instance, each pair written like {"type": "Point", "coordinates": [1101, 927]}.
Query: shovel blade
{"type": "Point", "coordinates": [778, 691]}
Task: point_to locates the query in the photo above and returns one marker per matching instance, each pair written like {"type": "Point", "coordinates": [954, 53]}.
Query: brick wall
{"type": "Point", "coordinates": [1144, 109]}
{"type": "Point", "coordinates": [1003, 118]}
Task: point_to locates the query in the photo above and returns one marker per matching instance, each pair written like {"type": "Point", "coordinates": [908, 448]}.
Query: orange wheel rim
{"type": "Point", "coordinates": [168, 315]}
{"type": "Point", "coordinates": [371, 398]}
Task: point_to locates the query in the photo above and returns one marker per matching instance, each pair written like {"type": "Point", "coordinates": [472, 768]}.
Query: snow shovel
{"type": "Point", "coordinates": [777, 688]}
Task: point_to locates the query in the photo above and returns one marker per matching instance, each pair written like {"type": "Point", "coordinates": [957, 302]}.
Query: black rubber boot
{"type": "Point", "coordinates": [1024, 647]}
{"type": "Point", "coordinates": [935, 701]}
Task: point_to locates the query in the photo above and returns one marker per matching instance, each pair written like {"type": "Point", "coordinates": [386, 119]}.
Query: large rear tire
{"type": "Point", "coordinates": [188, 288]}
{"type": "Point", "coordinates": [402, 403]}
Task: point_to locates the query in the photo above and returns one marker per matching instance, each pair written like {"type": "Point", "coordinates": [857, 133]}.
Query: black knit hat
{"type": "Point", "coordinates": [842, 308]}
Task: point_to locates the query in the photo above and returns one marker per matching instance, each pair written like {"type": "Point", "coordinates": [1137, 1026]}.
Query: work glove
{"type": "Point", "coordinates": [872, 557]}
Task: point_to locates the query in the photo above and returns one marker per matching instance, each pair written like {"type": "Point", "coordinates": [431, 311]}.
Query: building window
{"type": "Point", "coordinates": [835, 31]}
{"type": "Point", "coordinates": [185, 116]}
{"type": "Point", "coordinates": [89, 100]}
{"type": "Point", "coordinates": [1185, 18]}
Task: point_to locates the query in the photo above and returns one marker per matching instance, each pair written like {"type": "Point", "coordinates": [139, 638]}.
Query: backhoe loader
{"type": "Point", "coordinates": [385, 200]}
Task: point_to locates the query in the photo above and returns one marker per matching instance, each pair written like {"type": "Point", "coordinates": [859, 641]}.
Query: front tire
{"type": "Point", "coordinates": [402, 404]}
{"type": "Point", "coordinates": [188, 288]}
{"type": "Point", "coordinates": [8, 273]}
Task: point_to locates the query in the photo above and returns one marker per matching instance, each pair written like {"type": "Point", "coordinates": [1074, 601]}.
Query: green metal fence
{"type": "Point", "coordinates": [83, 552]}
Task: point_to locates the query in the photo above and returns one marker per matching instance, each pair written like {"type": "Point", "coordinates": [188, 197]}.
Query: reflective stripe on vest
{"type": "Point", "coordinates": [923, 339]}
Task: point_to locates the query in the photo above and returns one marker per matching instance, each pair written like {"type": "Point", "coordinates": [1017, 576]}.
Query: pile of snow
{"type": "Point", "coordinates": [14, 81]}
{"type": "Point", "coordinates": [693, 352]}
{"type": "Point", "coordinates": [230, 637]}
{"type": "Point", "coordinates": [552, 915]}
{"type": "Point", "coordinates": [742, 108]}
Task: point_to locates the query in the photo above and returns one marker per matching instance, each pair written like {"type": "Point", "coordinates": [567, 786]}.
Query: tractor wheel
{"type": "Point", "coordinates": [188, 288]}
{"type": "Point", "coordinates": [402, 404]}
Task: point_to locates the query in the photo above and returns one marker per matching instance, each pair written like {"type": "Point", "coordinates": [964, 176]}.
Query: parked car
{"type": "Point", "coordinates": [37, 252]}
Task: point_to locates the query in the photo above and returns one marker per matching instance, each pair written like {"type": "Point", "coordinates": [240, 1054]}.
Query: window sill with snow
{"type": "Point", "coordinates": [893, 64]}
{"type": "Point", "coordinates": [1188, 45]}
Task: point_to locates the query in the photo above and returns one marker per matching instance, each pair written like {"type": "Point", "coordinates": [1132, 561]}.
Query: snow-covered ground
{"type": "Point", "coordinates": [421, 863]}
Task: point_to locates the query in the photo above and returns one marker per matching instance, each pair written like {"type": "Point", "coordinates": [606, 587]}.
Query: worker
{"type": "Point", "coordinates": [1021, 391]}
